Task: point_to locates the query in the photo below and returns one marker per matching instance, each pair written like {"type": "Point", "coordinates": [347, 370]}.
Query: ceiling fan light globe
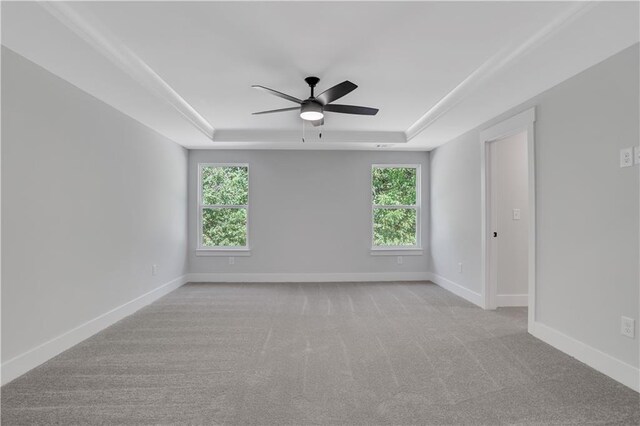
{"type": "Point", "coordinates": [311, 115]}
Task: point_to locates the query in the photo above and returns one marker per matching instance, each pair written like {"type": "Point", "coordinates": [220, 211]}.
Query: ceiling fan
{"type": "Point", "coordinates": [313, 108]}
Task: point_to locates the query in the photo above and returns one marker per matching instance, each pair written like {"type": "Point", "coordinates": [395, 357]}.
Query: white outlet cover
{"type": "Point", "coordinates": [627, 327]}
{"type": "Point", "coordinates": [626, 157]}
{"type": "Point", "coordinates": [516, 214]}
{"type": "Point", "coordinates": [636, 155]}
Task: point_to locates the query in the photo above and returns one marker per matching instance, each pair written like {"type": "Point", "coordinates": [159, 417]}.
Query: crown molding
{"type": "Point", "coordinates": [494, 65]}
{"type": "Point", "coordinates": [124, 58]}
{"type": "Point", "coordinates": [310, 135]}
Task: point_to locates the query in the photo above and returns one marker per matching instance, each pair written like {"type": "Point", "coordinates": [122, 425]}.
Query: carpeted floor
{"type": "Point", "coordinates": [335, 353]}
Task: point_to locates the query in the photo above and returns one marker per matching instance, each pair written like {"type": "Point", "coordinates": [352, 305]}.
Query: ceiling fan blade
{"type": "Point", "coordinates": [278, 94]}
{"type": "Point", "coordinates": [277, 110]}
{"type": "Point", "coordinates": [336, 92]}
{"type": "Point", "coordinates": [351, 109]}
{"type": "Point", "coordinates": [318, 122]}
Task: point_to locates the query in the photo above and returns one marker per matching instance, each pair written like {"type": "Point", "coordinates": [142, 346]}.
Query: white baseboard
{"type": "Point", "coordinates": [457, 289]}
{"type": "Point", "coordinates": [512, 300]}
{"type": "Point", "coordinates": [22, 363]}
{"type": "Point", "coordinates": [618, 370]}
{"type": "Point", "coordinates": [212, 277]}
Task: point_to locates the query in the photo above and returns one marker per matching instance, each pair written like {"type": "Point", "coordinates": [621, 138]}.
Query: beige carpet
{"type": "Point", "coordinates": [335, 353]}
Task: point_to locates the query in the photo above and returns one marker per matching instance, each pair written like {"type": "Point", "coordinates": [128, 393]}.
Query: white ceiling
{"type": "Point", "coordinates": [435, 69]}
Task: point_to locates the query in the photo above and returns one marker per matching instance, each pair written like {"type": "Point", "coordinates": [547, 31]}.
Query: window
{"type": "Point", "coordinates": [223, 206]}
{"type": "Point", "coordinates": [395, 192]}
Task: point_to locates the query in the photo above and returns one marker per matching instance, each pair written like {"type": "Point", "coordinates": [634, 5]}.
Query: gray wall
{"type": "Point", "coordinates": [587, 208]}
{"type": "Point", "coordinates": [310, 212]}
{"type": "Point", "coordinates": [90, 200]}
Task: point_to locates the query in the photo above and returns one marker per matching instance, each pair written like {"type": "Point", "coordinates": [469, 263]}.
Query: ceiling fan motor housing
{"type": "Point", "coordinates": [311, 110]}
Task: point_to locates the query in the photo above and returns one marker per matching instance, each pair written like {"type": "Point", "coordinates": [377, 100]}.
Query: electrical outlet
{"type": "Point", "coordinates": [516, 214]}
{"type": "Point", "coordinates": [628, 327]}
{"type": "Point", "coordinates": [399, 260]}
{"type": "Point", "coordinates": [626, 157]}
{"type": "Point", "coordinates": [460, 267]}
{"type": "Point", "coordinates": [232, 261]}
{"type": "Point", "coordinates": [636, 154]}
{"type": "Point", "coordinates": [154, 269]}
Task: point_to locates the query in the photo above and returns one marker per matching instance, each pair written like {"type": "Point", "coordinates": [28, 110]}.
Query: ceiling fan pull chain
{"type": "Point", "coordinates": [303, 131]}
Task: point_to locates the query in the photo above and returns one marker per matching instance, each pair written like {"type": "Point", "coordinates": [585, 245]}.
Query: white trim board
{"type": "Point", "coordinates": [32, 358]}
{"type": "Point", "coordinates": [512, 300]}
{"type": "Point", "coordinates": [213, 277]}
{"type": "Point", "coordinates": [618, 370]}
{"type": "Point", "coordinates": [457, 289]}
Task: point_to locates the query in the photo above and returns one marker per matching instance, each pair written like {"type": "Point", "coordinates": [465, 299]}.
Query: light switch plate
{"type": "Point", "coordinates": [636, 154]}
{"type": "Point", "coordinates": [516, 214]}
{"type": "Point", "coordinates": [626, 157]}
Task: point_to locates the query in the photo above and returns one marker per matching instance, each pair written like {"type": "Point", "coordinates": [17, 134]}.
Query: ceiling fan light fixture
{"type": "Point", "coordinates": [311, 115]}
{"type": "Point", "coordinates": [311, 111]}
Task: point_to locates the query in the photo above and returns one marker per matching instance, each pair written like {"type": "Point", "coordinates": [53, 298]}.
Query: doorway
{"type": "Point", "coordinates": [508, 207]}
{"type": "Point", "coordinates": [508, 213]}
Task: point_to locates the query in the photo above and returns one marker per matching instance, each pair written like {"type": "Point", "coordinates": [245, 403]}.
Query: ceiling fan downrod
{"type": "Point", "coordinates": [312, 82]}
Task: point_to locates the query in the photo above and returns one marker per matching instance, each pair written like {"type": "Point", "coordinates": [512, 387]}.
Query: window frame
{"type": "Point", "coordinates": [221, 250]}
{"type": "Point", "coordinates": [393, 250]}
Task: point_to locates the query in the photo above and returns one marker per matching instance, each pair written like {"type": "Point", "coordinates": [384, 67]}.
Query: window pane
{"type": "Point", "coordinates": [394, 227]}
{"type": "Point", "coordinates": [225, 185]}
{"type": "Point", "coordinates": [394, 186]}
{"type": "Point", "coordinates": [224, 227]}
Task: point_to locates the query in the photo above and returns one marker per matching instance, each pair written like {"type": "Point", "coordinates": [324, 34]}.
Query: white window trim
{"type": "Point", "coordinates": [221, 250]}
{"type": "Point", "coordinates": [415, 250]}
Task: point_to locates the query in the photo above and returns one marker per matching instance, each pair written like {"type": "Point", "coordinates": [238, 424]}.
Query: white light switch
{"type": "Point", "coordinates": [626, 157]}
{"type": "Point", "coordinates": [516, 214]}
{"type": "Point", "coordinates": [636, 155]}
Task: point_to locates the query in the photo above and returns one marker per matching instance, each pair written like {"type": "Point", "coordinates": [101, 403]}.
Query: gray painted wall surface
{"type": "Point", "coordinates": [587, 207]}
{"type": "Point", "coordinates": [310, 212]}
{"type": "Point", "coordinates": [90, 200]}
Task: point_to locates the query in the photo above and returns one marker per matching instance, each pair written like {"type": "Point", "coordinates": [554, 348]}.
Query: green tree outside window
{"type": "Point", "coordinates": [224, 199]}
{"type": "Point", "coordinates": [395, 206]}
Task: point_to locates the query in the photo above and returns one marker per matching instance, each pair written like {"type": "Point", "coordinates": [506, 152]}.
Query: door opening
{"type": "Point", "coordinates": [508, 213]}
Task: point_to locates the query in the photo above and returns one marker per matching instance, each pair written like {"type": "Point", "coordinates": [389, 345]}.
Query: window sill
{"type": "Point", "coordinates": [410, 251]}
{"type": "Point", "coordinates": [223, 252]}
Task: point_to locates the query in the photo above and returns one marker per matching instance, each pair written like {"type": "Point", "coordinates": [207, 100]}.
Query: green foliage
{"type": "Point", "coordinates": [224, 186]}
{"type": "Point", "coordinates": [394, 227]}
{"type": "Point", "coordinates": [224, 227]}
{"type": "Point", "coordinates": [394, 186]}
